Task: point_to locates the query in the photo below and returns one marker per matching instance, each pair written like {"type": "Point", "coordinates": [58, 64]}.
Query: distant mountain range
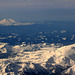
{"type": "Point", "coordinates": [8, 22]}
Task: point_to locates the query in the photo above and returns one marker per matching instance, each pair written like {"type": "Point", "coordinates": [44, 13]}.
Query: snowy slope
{"type": "Point", "coordinates": [7, 22]}
{"type": "Point", "coordinates": [38, 59]}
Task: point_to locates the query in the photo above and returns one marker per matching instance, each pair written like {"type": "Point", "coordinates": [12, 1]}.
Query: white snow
{"type": "Point", "coordinates": [47, 56]}
{"type": "Point", "coordinates": [8, 22]}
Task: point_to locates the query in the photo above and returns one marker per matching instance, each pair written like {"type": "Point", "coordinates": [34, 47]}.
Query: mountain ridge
{"type": "Point", "coordinates": [50, 59]}
{"type": "Point", "coordinates": [9, 22]}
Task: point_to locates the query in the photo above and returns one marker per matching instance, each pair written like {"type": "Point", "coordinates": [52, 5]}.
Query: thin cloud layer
{"type": "Point", "coordinates": [38, 3]}
{"type": "Point", "coordinates": [38, 9]}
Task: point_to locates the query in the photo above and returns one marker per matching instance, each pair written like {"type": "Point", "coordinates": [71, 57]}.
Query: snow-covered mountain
{"type": "Point", "coordinates": [7, 22]}
{"type": "Point", "coordinates": [37, 59]}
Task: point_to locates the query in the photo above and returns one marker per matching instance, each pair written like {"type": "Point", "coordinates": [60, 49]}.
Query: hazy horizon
{"type": "Point", "coordinates": [39, 10]}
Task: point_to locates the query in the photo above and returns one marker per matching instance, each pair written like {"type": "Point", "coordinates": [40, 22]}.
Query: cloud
{"type": "Point", "coordinates": [38, 9]}
{"type": "Point", "coordinates": [38, 3]}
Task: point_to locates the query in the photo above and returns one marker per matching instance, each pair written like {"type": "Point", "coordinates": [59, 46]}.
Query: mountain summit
{"type": "Point", "coordinates": [7, 22]}
{"type": "Point", "coordinates": [10, 22]}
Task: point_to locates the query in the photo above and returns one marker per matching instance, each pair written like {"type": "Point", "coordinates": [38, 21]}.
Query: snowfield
{"type": "Point", "coordinates": [9, 22]}
{"type": "Point", "coordinates": [37, 59]}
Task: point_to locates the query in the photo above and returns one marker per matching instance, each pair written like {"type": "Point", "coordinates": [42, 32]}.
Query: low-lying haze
{"type": "Point", "coordinates": [39, 10]}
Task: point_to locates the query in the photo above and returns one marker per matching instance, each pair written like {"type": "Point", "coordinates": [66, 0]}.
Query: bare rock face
{"type": "Point", "coordinates": [69, 71]}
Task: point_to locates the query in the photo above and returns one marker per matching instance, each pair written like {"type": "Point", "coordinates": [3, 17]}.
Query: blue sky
{"type": "Point", "coordinates": [38, 10]}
